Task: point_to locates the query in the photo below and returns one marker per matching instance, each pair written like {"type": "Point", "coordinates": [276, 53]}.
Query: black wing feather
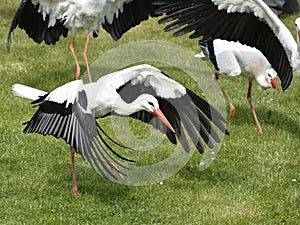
{"type": "Point", "coordinates": [133, 14]}
{"type": "Point", "coordinates": [189, 115]}
{"type": "Point", "coordinates": [28, 18]}
{"type": "Point", "coordinates": [204, 19]}
{"type": "Point", "coordinates": [76, 125]}
{"type": "Point", "coordinates": [207, 48]}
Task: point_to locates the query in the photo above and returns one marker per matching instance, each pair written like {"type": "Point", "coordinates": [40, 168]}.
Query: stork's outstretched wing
{"type": "Point", "coordinates": [131, 14]}
{"type": "Point", "coordinates": [64, 113]}
{"type": "Point", "coordinates": [250, 22]}
{"type": "Point", "coordinates": [189, 114]}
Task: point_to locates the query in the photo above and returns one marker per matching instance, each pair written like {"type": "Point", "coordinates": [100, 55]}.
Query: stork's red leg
{"type": "Point", "coordinates": [231, 109]}
{"type": "Point", "coordinates": [75, 58]}
{"type": "Point", "coordinates": [72, 150]}
{"type": "Point", "coordinates": [252, 108]}
{"type": "Point", "coordinates": [74, 189]}
{"type": "Point", "coordinates": [85, 56]}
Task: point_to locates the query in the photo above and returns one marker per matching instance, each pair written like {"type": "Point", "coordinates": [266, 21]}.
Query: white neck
{"type": "Point", "coordinates": [123, 108]}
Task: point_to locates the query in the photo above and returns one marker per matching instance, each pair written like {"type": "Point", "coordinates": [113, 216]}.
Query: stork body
{"type": "Point", "coordinates": [141, 92]}
{"type": "Point", "coordinates": [251, 22]}
{"type": "Point", "coordinates": [233, 59]}
{"type": "Point", "coordinates": [48, 20]}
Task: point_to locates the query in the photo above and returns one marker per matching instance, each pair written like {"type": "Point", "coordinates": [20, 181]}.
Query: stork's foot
{"type": "Point", "coordinates": [231, 111]}
{"type": "Point", "coordinates": [249, 99]}
{"type": "Point", "coordinates": [259, 129]}
{"type": "Point", "coordinates": [75, 191]}
{"type": "Point", "coordinates": [74, 183]}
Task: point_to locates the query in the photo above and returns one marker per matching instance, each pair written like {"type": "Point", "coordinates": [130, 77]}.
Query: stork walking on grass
{"type": "Point", "coordinates": [48, 20]}
{"type": "Point", "coordinates": [141, 92]}
{"type": "Point", "coordinates": [233, 59]}
{"type": "Point", "coordinates": [249, 22]}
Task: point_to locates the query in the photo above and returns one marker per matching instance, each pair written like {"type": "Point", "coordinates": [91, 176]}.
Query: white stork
{"type": "Point", "coordinates": [249, 22]}
{"type": "Point", "coordinates": [47, 20]}
{"type": "Point", "coordinates": [233, 59]}
{"type": "Point", "coordinates": [141, 92]}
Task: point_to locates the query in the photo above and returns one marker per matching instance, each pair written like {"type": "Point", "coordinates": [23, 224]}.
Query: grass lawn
{"type": "Point", "coordinates": [254, 180]}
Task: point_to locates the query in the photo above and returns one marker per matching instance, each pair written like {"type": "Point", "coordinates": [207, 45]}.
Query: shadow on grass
{"type": "Point", "coordinates": [211, 178]}
{"type": "Point", "coordinates": [88, 182]}
{"type": "Point", "coordinates": [281, 121]}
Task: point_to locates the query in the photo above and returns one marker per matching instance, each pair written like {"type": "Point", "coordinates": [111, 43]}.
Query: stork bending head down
{"type": "Point", "coordinates": [251, 23]}
{"type": "Point", "coordinates": [234, 59]}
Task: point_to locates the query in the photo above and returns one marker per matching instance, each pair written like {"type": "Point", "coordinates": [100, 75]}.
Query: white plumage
{"type": "Point", "coordinates": [48, 20]}
{"type": "Point", "coordinates": [262, 11]}
{"type": "Point", "coordinates": [234, 59]}
{"type": "Point", "coordinates": [251, 22]}
{"type": "Point", "coordinates": [79, 14]}
{"type": "Point", "coordinates": [238, 36]}
{"type": "Point", "coordinates": [27, 92]}
{"type": "Point", "coordinates": [69, 112]}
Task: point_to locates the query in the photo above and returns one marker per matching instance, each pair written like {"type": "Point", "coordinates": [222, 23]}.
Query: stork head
{"type": "Point", "coordinates": [269, 80]}
{"type": "Point", "coordinates": [149, 103]}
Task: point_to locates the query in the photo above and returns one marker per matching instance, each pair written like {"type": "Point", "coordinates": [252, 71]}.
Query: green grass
{"type": "Point", "coordinates": [250, 182]}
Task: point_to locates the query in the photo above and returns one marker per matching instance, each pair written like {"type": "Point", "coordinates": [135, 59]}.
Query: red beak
{"type": "Point", "coordinates": [158, 113]}
{"type": "Point", "coordinates": [298, 34]}
{"type": "Point", "coordinates": [275, 84]}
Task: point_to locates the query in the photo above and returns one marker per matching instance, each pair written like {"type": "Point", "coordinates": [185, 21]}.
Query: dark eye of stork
{"type": "Point", "coordinates": [151, 103]}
